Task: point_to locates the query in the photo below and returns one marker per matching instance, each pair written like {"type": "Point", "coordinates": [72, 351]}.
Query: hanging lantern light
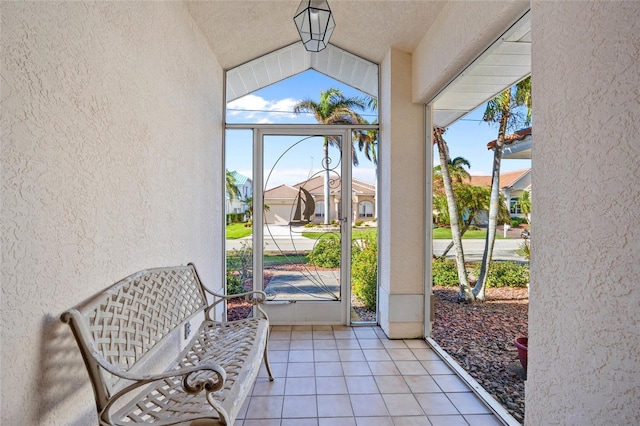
{"type": "Point", "coordinates": [315, 24]}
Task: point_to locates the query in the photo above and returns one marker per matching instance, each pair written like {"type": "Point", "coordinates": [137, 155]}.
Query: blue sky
{"type": "Point", "coordinates": [467, 137]}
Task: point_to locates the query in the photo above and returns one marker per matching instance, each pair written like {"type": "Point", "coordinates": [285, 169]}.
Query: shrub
{"type": "Point", "coordinates": [364, 272]}
{"type": "Point", "coordinates": [525, 250]}
{"type": "Point", "coordinates": [445, 272]}
{"type": "Point", "coordinates": [326, 253]}
{"type": "Point", "coordinates": [359, 223]}
{"type": "Point", "coordinates": [239, 268]}
{"type": "Point", "coordinates": [234, 283]}
{"type": "Point", "coordinates": [517, 221]}
{"type": "Point", "coordinates": [235, 217]}
{"type": "Point", "coordinates": [506, 274]}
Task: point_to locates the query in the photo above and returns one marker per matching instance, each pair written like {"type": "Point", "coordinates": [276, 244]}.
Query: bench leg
{"type": "Point", "coordinates": [266, 359]}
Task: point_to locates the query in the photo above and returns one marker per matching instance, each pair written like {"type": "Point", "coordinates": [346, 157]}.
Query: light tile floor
{"type": "Point", "coordinates": [336, 375]}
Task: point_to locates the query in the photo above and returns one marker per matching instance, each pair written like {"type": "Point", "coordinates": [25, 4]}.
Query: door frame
{"type": "Point", "coordinates": [305, 312]}
{"type": "Point", "coordinates": [345, 132]}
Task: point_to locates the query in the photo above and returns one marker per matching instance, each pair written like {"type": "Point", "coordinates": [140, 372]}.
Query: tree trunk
{"type": "Point", "coordinates": [465, 294]}
{"type": "Point", "coordinates": [494, 200]}
{"type": "Point", "coordinates": [464, 229]}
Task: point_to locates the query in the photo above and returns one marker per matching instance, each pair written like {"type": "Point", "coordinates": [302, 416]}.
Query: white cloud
{"type": "Point", "coordinates": [260, 110]}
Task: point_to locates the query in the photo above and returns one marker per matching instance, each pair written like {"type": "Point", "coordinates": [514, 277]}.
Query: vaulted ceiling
{"type": "Point", "coordinates": [239, 31]}
{"type": "Point", "coordinates": [242, 31]}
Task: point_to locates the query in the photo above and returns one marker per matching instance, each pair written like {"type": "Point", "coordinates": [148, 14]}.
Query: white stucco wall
{"type": "Point", "coordinates": [402, 233]}
{"type": "Point", "coordinates": [584, 307]}
{"type": "Point", "coordinates": [111, 163]}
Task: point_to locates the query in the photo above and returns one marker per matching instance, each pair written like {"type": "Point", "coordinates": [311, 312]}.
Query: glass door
{"type": "Point", "coordinates": [304, 243]}
{"type": "Point", "coordinates": [317, 260]}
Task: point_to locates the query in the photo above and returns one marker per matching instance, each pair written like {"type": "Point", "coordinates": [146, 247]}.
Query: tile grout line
{"type": "Point", "coordinates": [367, 336]}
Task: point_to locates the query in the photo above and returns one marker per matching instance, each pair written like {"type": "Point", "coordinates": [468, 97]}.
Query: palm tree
{"type": "Point", "coordinates": [524, 203]}
{"type": "Point", "coordinates": [333, 108]}
{"type": "Point", "coordinates": [367, 142]}
{"type": "Point", "coordinates": [505, 110]}
{"type": "Point", "coordinates": [249, 202]}
{"type": "Point", "coordinates": [231, 186]}
{"type": "Point", "coordinates": [456, 169]}
{"type": "Point", "coordinates": [465, 294]}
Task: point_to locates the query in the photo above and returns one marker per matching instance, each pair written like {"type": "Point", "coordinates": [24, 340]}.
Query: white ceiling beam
{"type": "Point", "coordinates": [294, 59]}
{"type": "Point", "coordinates": [503, 64]}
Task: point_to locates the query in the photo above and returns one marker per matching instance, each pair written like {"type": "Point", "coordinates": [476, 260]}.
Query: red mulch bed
{"type": "Point", "coordinates": [239, 308]}
{"type": "Point", "coordinates": [480, 338]}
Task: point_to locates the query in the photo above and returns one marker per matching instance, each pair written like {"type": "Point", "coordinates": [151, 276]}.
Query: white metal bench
{"type": "Point", "coordinates": [126, 330]}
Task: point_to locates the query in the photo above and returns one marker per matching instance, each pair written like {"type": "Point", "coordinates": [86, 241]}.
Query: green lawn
{"type": "Point", "coordinates": [237, 230]}
{"type": "Point", "coordinates": [357, 234]}
{"type": "Point", "coordinates": [445, 234]}
{"type": "Point", "coordinates": [292, 259]}
{"type": "Point", "coordinates": [270, 260]}
{"type": "Point", "coordinates": [438, 234]}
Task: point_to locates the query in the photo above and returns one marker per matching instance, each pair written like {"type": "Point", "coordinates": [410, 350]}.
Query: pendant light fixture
{"type": "Point", "coordinates": [315, 24]}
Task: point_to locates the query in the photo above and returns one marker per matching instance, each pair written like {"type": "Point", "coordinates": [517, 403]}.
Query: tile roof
{"type": "Point", "coordinates": [506, 179]}
{"type": "Point", "coordinates": [281, 191]}
{"type": "Point", "coordinates": [316, 187]}
{"type": "Point", "coordinates": [240, 179]}
{"type": "Point", "coordinates": [509, 139]}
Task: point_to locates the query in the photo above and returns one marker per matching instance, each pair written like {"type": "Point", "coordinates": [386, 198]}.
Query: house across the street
{"type": "Point", "coordinates": [245, 191]}
{"type": "Point", "coordinates": [287, 203]}
{"type": "Point", "coordinates": [512, 185]}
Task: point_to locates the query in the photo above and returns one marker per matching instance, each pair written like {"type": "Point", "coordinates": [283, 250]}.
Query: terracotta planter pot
{"type": "Point", "coordinates": [521, 344]}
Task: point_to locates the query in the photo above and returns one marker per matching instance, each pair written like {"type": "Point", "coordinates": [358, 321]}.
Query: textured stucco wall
{"type": "Point", "coordinates": [111, 162]}
{"type": "Point", "coordinates": [402, 234]}
{"type": "Point", "coordinates": [584, 307]}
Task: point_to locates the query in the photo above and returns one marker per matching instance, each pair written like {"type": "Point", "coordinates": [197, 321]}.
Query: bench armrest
{"type": "Point", "coordinates": [194, 379]}
{"type": "Point", "coordinates": [261, 295]}
{"type": "Point", "coordinates": [220, 374]}
{"type": "Point", "coordinates": [255, 297]}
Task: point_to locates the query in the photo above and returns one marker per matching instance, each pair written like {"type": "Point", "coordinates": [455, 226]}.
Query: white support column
{"type": "Point", "coordinates": [402, 203]}
{"type": "Point", "coordinates": [428, 221]}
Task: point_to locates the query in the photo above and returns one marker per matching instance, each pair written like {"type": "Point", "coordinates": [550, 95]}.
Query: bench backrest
{"type": "Point", "coordinates": [125, 322]}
